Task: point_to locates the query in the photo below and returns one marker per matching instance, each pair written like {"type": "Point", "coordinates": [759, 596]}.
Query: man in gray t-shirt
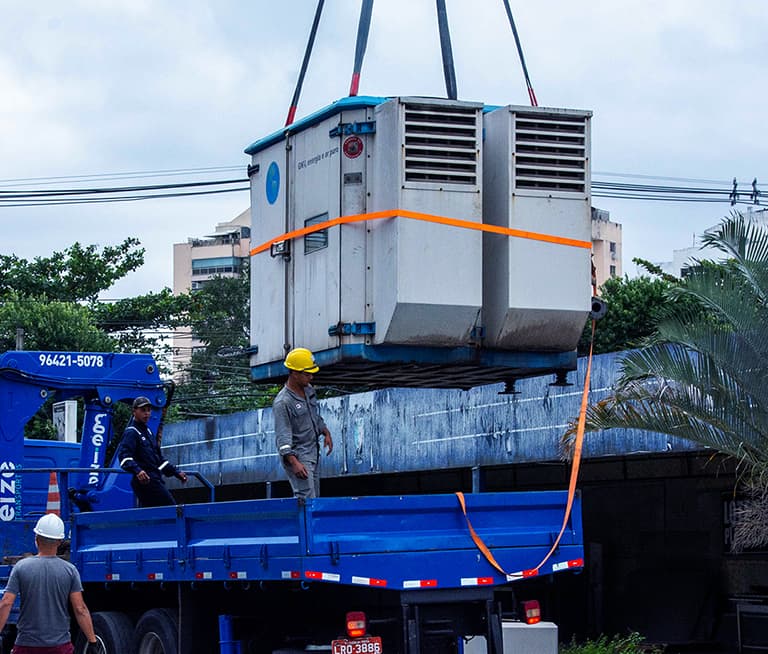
{"type": "Point", "coordinates": [46, 585]}
{"type": "Point", "coordinates": [298, 425]}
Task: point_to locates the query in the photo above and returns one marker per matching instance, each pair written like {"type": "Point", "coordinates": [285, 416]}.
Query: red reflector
{"type": "Point", "coordinates": [356, 624]}
{"type": "Point", "coordinates": [151, 576]}
{"type": "Point", "coordinates": [482, 581]}
{"type": "Point", "coordinates": [311, 574]}
{"type": "Point", "coordinates": [532, 611]}
{"type": "Point", "coordinates": [198, 575]}
{"type": "Point", "coordinates": [576, 563]}
{"type": "Point", "coordinates": [530, 573]}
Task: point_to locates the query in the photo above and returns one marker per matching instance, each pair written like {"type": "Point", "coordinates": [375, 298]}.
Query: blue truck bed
{"type": "Point", "coordinates": [396, 542]}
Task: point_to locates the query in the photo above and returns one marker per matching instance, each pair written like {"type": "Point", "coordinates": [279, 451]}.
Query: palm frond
{"type": "Point", "coordinates": [704, 375]}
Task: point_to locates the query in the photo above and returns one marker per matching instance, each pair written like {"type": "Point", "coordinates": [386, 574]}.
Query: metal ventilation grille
{"type": "Point", "coordinates": [441, 144]}
{"type": "Point", "coordinates": [551, 152]}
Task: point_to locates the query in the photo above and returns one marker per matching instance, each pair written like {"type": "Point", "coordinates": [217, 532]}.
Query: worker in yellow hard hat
{"type": "Point", "coordinates": [299, 426]}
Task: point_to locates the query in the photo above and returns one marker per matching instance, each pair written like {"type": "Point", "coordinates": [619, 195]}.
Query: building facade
{"type": "Point", "coordinates": [200, 259]}
{"type": "Point", "coordinates": [685, 258]}
{"type": "Point", "coordinates": [606, 246]}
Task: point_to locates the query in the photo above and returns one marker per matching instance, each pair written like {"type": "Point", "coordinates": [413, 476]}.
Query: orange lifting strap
{"type": "Point", "coordinates": [441, 220]}
{"type": "Point", "coordinates": [571, 486]}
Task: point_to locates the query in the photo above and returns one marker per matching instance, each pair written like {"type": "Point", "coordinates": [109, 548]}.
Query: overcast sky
{"type": "Point", "coordinates": [677, 88]}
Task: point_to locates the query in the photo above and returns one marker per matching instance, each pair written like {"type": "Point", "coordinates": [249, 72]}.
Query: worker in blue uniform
{"type": "Point", "coordinates": [139, 453]}
{"type": "Point", "coordinates": [299, 426]}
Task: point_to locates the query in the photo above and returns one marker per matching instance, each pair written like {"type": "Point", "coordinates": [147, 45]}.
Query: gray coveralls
{"type": "Point", "coordinates": [298, 427]}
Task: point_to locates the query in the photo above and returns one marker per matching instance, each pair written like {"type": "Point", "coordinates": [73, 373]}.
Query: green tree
{"type": "Point", "coordinates": [218, 378]}
{"type": "Point", "coordinates": [50, 325]}
{"type": "Point", "coordinates": [702, 376]}
{"type": "Point", "coordinates": [77, 273]}
{"type": "Point", "coordinates": [635, 307]}
{"type": "Point", "coordinates": [143, 323]}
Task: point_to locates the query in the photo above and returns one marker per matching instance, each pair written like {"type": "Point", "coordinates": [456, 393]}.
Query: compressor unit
{"type": "Point", "coordinates": [417, 241]}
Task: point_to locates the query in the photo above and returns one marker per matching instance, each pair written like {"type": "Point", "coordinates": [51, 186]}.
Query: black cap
{"type": "Point", "coordinates": [141, 401]}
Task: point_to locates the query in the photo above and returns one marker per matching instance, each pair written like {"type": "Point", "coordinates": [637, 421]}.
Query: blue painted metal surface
{"type": "Point", "coordinates": [394, 542]}
{"type": "Point", "coordinates": [344, 104]}
{"type": "Point", "coordinates": [388, 366]}
{"type": "Point", "coordinates": [407, 430]}
{"type": "Point", "coordinates": [27, 380]}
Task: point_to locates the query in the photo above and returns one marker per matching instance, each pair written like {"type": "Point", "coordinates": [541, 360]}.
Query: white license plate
{"type": "Point", "coordinates": [365, 645]}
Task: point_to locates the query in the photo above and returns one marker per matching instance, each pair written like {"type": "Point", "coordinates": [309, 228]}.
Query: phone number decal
{"type": "Point", "coordinates": [55, 360]}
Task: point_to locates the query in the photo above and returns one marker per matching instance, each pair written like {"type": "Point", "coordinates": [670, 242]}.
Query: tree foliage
{"type": "Point", "coordinates": [702, 376]}
{"type": "Point", "coordinates": [635, 307]}
{"type": "Point", "coordinates": [218, 378]}
{"type": "Point", "coordinates": [77, 273]}
{"type": "Point", "coordinates": [50, 325]}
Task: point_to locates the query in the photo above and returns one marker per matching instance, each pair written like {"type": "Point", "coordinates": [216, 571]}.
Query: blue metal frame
{"type": "Point", "coordinates": [386, 542]}
{"type": "Point", "coordinates": [345, 104]}
{"type": "Point", "coordinates": [493, 365]}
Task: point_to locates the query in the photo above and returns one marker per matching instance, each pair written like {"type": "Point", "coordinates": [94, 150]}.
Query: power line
{"type": "Point", "coordinates": [721, 193]}
{"type": "Point", "coordinates": [137, 174]}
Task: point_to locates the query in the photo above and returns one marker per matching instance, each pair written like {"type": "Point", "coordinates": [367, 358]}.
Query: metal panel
{"type": "Point", "coordinates": [427, 278]}
{"type": "Point", "coordinates": [269, 319]}
{"type": "Point", "coordinates": [402, 430]}
{"type": "Point", "coordinates": [398, 542]}
{"type": "Point", "coordinates": [537, 172]}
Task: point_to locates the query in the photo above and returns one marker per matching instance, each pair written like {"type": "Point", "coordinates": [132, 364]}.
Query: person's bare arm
{"type": "Point", "coordinates": [83, 616]}
{"type": "Point", "coordinates": [5, 607]}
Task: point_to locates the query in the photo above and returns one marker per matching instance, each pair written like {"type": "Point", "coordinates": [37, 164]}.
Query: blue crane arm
{"type": "Point", "coordinates": [30, 378]}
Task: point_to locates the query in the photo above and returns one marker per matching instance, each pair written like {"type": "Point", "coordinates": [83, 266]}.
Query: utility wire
{"type": "Point", "coordinates": [750, 193]}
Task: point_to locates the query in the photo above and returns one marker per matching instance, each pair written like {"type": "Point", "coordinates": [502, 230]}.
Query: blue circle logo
{"type": "Point", "coordinates": [273, 182]}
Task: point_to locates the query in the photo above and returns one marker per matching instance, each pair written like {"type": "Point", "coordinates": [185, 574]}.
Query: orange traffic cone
{"type": "Point", "coordinates": [54, 499]}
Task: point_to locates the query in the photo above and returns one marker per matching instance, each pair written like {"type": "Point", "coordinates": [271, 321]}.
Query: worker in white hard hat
{"type": "Point", "coordinates": [298, 425]}
{"type": "Point", "coordinates": [46, 585]}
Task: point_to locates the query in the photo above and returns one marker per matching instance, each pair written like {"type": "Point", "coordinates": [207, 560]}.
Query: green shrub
{"type": "Point", "coordinates": [630, 644]}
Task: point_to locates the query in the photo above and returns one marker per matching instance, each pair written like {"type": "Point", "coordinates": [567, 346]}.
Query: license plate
{"type": "Point", "coordinates": [365, 645]}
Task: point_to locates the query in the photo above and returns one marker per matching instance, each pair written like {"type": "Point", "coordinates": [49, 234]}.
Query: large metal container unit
{"type": "Point", "coordinates": [299, 176]}
{"type": "Point", "coordinates": [426, 281]}
{"type": "Point", "coordinates": [397, 281]}
{"type": "Point", "coordinates": [536, 294]}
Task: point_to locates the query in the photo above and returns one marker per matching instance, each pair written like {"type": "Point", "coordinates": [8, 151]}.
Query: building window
{"type": "Point", "coordinates": [216, 266]}
{"type": "Point", "coordinates": [316, 240]}
{"type": "Point", "coordinates": [612, 270]}
{"type": "Point", "coordinates": [612, 247]}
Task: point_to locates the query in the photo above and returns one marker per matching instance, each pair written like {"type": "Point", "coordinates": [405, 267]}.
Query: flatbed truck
{"type": "Point", "coordinates": [265, 575]}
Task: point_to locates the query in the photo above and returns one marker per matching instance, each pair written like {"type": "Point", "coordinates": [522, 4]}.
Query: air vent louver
{"type": "Point", "coordinates": [550, 152]}
{"type": "Point", "coordinates": [441, 144]}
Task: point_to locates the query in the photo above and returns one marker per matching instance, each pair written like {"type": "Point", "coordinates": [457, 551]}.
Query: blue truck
{"type": "Point", "coordinates": [350, 575]}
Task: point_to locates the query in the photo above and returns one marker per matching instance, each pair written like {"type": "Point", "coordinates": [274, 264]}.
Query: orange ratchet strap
{"type": "Point", "coordinates": [441, 220]}
{"type": "Point", "coordinates": [575, 463]}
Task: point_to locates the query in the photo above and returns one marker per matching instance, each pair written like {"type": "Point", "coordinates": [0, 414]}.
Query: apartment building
{"type": "Point", "coordinates": [606, 246]}
{"type": "Point", "coordinates": [685, 258]}
{"type": "Point", "coordinates": [221, 253]}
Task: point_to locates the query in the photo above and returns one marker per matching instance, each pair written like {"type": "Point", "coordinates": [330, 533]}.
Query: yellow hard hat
{"type": "Point", "coordinates": [301, 360]}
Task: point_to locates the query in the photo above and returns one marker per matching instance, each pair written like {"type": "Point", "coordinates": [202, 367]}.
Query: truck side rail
{"type": "Point", "coordinates": [63, 480]}
{"type": "Point", "coordinates": [400, 542]}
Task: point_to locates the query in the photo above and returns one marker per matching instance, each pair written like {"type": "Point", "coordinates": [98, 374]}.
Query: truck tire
{"type": "Point", "coordinates": [157, 632]}
{"type": "Point", "coordinates": [113, 629]}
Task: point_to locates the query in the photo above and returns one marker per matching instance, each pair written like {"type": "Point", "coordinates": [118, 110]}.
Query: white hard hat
{"type": "Point", "coordinates": [50, 526]}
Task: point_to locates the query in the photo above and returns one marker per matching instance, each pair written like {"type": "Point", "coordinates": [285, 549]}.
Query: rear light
{"type": "Point", "coordinates": [356, 624]}
{"type": "Point", "coordinates": [532, 611]}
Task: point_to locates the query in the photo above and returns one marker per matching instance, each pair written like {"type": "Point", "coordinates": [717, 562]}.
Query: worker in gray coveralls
{"type": "Point", "coordinates": [298, 425]}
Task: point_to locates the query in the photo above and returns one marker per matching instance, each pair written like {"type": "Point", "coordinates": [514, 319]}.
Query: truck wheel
{"type": "Point", "coordinates": [113, 629]}
{"type": "Point", "coordinates": [157, 632]}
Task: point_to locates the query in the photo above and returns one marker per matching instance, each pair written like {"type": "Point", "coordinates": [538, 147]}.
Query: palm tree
{"type": "Point", "coordinates": [704, 375]}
